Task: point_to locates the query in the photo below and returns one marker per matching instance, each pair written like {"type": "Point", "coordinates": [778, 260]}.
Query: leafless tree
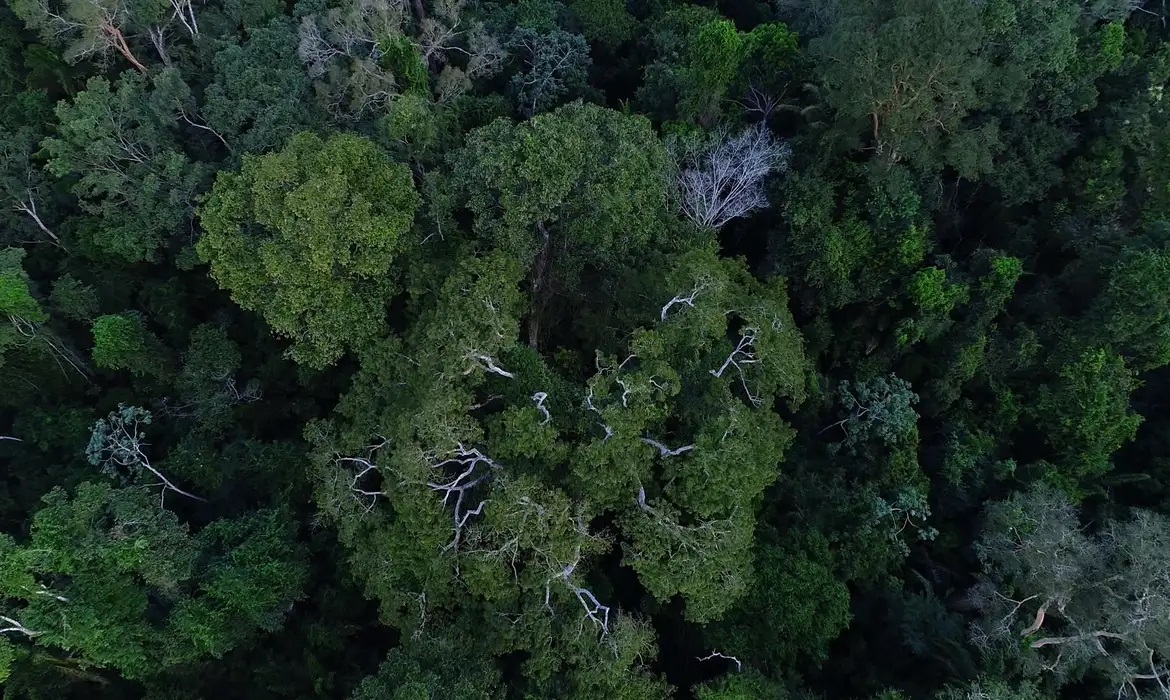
{"type": "Point", "coordinates": [726, 181]}
{"type": "Point", "coordinates": [553, 62]}
{"type": "Point", "coordinates": [343, 48]}
{"type": "Point", "coordinates": [761, 102]}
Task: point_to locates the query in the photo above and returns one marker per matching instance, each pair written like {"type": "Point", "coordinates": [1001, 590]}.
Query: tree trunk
{"type": "Point", "coordinates": [120, 44]}
{"type": "Point", "coordinates": [540, 289]}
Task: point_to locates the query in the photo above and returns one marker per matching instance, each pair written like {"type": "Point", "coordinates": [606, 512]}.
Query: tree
{"type": "Point", "coordinates": [27, 335]}
{"type": "Point", "coordinates": [1084, 415]}
{"type": "Point", "coordinates": [881, 408]}
{"type": "Point", "coordinates": [28, 196]}
{"type": "Point", "coordinates": [118, 445]}
{"type": "Point", "coordinates": [307, 236]}
{"type": "Point", "coordinates": [909, 71]}
{"type": "Point", "coordinates": [727, 180]}
{"type": "Point", "coordinates": [700, 54]}
{"type": "Point", "coordinates": [123, 342]}
{"type": "Point", "coordinates": [260, 95]}
{"type": "Point", "coordinates": [1080, 601]}
{"type": "Point", "coordinates": [120, 143]}
{"type": "Point", "coordinates": [703, 62]}
{"type": "Point", "coordinates": [556, 65]}
{"type": "Point", "coordinates": [88, 28]}
{"type": "Point", "coordinates": [362, 60]}
{"type": "Point", "coordinates": [113, 578]}
{"type": "Point", "coordinates": [607, 22]}
{"type": "Point", "coordinates": [581, 187]}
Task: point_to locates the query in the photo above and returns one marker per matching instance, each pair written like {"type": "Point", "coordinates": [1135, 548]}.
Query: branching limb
{"type": "Point", "coordinates": [14, 625]}
{"type": "Point", "coordinates": [665, 451]}
{"type": "Point", "coordinates": [473, 468]}
{"type": "Point", "coordinates": [28, 207]}
{"type": "Point", "coordinates": [744, 354]}
{"type": "Point", "coordinates": [721, 655]}
{"type": "Point", "coordinates": [540, 397]}
{"type": "Point", "coordinates": [488, 364]}
{"type": "Point", "coordinates": [685, 300]}
{"type": "Point", "coordinates": [595, 612]}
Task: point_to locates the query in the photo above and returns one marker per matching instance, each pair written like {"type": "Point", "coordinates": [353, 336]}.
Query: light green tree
{"type": "Point", "coordinates": [308, 237]}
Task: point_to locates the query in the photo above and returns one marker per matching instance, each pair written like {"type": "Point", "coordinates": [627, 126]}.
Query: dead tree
{"type": "Point", "coordinates": [727, 181]}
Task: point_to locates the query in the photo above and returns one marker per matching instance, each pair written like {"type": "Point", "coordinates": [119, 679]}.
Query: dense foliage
{"type": "Point", "coordinates": [585, 349]}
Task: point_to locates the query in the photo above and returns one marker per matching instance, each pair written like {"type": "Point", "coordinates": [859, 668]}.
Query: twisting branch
{"type": "Point", "coordinates": [687, 300]}
{"type": "Point", "coordinates": [589, 405]}
{"type": "Point", "coordinates": [367, 497]}
{"type": "Point", "coordinates": [665, 451]}
{"type": "Point", "coordinates": [540, 397]}
{"type": "Point", "coordinates": [469, 464]}
{"type": "Point", "coordinates": [744, 354]}
{"type": "Point", "coordinates": [595, 612]}
{"type": "Point", "coordinates": [721, 655]}
{"type": "Point", "coordinates": [488, 363]}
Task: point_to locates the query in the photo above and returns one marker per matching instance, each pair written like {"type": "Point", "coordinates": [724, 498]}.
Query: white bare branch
{"type": "Point", "coordinates": [28, 207]}
{"type": "Point", "coordinates": [471, 468]}
{"type": "Point", "coordinates": [727, 181]}
{"type": "Point", "coordinates": [761, 102]}
{"type": "Point", "coordinates": [118, 446]}
{"type": "Point", "coordinates": [540, 397]}
{"type": "Point", "coordinates": [488, 363]}
{"type": "Point", "coordinates": [721, 655]}
{"type": "Point", "coordinates": [595, 612]}
{"type": "Point", "coordinates": [744, 354]}
{"type": "Point", "coordinates": [185, 13]}
{"type": "Point", "coordinates": [666, 451]}
{"type": "Point", "coordinates": [14, 625]}
{"type": "Point", "coordinates": [685, 300]}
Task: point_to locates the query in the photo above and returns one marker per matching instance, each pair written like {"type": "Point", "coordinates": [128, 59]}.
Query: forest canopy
{"type": "Point", "coordinates": [584, 349]}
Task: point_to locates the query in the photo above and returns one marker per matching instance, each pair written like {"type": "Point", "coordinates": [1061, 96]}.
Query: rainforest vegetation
{"type": "Point", "coordinates": [584, 349]}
